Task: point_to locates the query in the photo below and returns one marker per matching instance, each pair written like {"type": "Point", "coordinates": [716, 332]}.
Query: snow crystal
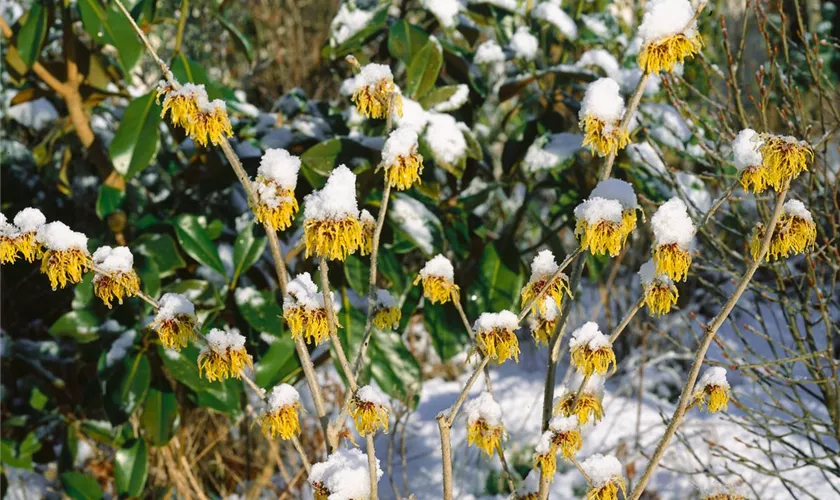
{"type": "Point", "coordinates": [413, 218]}
{"type": "Point", "coordinates": [599, 209]}
{"type": "Point", "coordinates": [524, 44]}
{"type": "Point", "coordinates": [413, 117]}
{"type": "Point", "coordinates": [400, 142]}
{"type": "Point", "coordinates": [370, 394]}
{"type": "Point", "coordinates": [647, 275]}
{"type": "Point", "coordinates": [714, 376]}
{"type": "Point", "coordinates": [345, 474]}
{"type": "Point", "coordinates": [337, 200]}
{"type": "Point", "coordinates": [531, 484]}
{"type": "Point", "coordinates": [57, 236]}
{"type": "Point", "coordinates": [445, 138]}
{"type": "Point", "coordinates": [672, 224]}
{"type": "Point", "coordinates": [552, 13]}
{"type": "Point", "coordinates": [503, 320]}
{"type": "Point", "coordinates": [745, 149]}
{"type": "Point", "coordinates": [589, 335]}
{"type": "Point", "coordinates": [113, 260]}
{"type": "Point", "coordinates": [439, 266]}
{"type": "Point", "coordinates": [601, 469]}
{"type": "Point", "coordinates": [347, 22]}
{"type": "Point", "coordinates": [29, 219]}
{"type": "Point", "coordinates": [664, 18]}
{"type": "Point", "coordinates": [616, 189]}
{"type": "Point", "coordinates": [484, 407]}
{"type": "Point", "coordinates": [489, 52]}
{"type": "Point", "coordinates": [551, 310]}
{"type": "Point", "coordinates": [172, 305]}
{"type": "Point", "coordinates": [603, 101]}
{"type": "Point", "coordinates": [797, 209]}
{"type": "Point", "coordinates": [456, 100]}
{"type": "Point", "coordinates": [601, 59]}
{"type": "Point", "coordinates": [280, 166]}
{"type": "Point", "coordinates": [120, 348]}
{"type": "Point", "coordinates": [543, 265]}
{"type": "Point", "coordinates": [563, 424]}
{"type": "Point", "coordinates": [282, 395]}
{"type": "Point", "coordinates": [384, 299]}
{"type": "Point", "coordinates": [446, 11]}
{"type": "Point", "coordinates": [302, 291]}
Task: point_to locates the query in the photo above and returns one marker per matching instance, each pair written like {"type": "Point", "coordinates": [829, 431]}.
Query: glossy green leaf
{"type": "Point", "coordinates": [108, 201]}
{"type": "Point", "coordinates": [197, 243]}
{"type": "Point", "coordinates": [260, 309]}
{"type": "Point", "coordinates": [136, 141]}
{"type": "Point", "coordinates": [102, 431]}
{"type": "Point", "coordinates": [131, 468]}
{"type": "Point", "coordinates": [162, 248]}
{"type": "Point", "coordinates": [319, 160]}
{"type": "Point", "coordinates": [127, 387]}
{"type": "Point", "coordinates": [149, 273]}
{"type": "Point", "coordinates": [355, 42]}
{"type": "Point", "coordinates": [160, 413]}
{"type": "Point", "coordinates": [32, 33]}
{"type": "Point", "coordinates": [80, 325]}
{"type": "Point", "coordinates": [393, 367]}
{"type": "Point", "coordinates": [80, 486]}
{"type": "Point", "coordinates": [447, 331]}
{"type": "Point", "coordinates": [247, 250]}
{"type": "Point", "coordinates": [500, 277]}
{"type": "Point", "coordinates": [183, 366]}
{"type": "Point", "coordinates": [83, 292]}
{"type": "Point", "coordinates": [423, 71]}
{"type": "Point", "coordinates": [109, 25]}
{"type": "Point", "coordinates": [278, 363]}
{"type": "Point", "coordinates": [357, 272]}
{"type": "Point", "coordinates": [405, 40]}
{"type": "Point", "coordinates": [438, 95]}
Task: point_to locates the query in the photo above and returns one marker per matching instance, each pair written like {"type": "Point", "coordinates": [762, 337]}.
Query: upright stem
{"type": "Point", "coordinates": [446, 454]}
{"type": "Point", "coordinates": [371, 455]}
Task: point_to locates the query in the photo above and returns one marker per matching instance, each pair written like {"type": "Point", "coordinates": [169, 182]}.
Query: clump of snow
{"type": "Point", "coordinates": [664, 18]}
{"type": "Point", "coordinates": [589, 335]}
{"type": "Point", "coordinates": [502, 320]}
{"type": "Point", "coordinates": [484, 407]}
{"type": "Point", "coordinates": [596, 25]}
{"type": "Point", "coordinates": [714, 377]}
{"type": "Point", "coordinates": [510, 5]}
{"type": "Point", "coordinates": [113, 260]}
{"type": "Point", "coordinates": [544, 444]}
{"type": "Point", "coordinates": [385, 300]}
{"type": "Point", "coordinates": [29, 219]}
{"type": "Point", "coordinates": [531, 484]}
{"type": "Point", "coordinates": [445, 138]}
{"type": "Point", "coordinates": [552, 13]}
{"type": "Point", "coordinates": [303, 292]}
{"type": "Point", "coordinates": [120, 348]}
{"type": "Point", "coordinates": [797, 209]}
{"type": "Point", "coordinates": [280, 166]}
{"type": "Point", "coordinates": [413, 117]}
{"type": "Point", "coordinates": [220, 341]}
{"type": "Point", "coordinates": [248, 295]}
{"type": "Point", "coordinates": [616, 189]}
{"type": "Point", "coordinates": [603, 100]}
{"type": "Point", "coordinates": [602, 59]}
{"type": "Point", "coordinates": [551, 310]}
{"type": "Point", "coordinates": [282, 395]}
{"type": "Point", "coordinates": [598, 209]}
{"type": "Point", "coordinates": [446, 11]}
{"type": "Point", "coordinates": [414, 218]}
{"type": "Point", "coordinates": [366, 218]}
{"type": "Point", "coordinates": [369, 394]}
{"type": "Point", "coordinates": [172, 305]}
{"type": "Point", "coordinates": [345, 474]}
{"type": "Point", "coordinates": [369, 76]}
{"type": "Point", "coordinates": [456, 100]}
{"type": "Point", "coordinates": [560, 423]}
{"type": "Point", "coordinates": [524, 44]}
{"type": "Point", "coordinates": [337, 200]}
{"type": "Point", "coordinates": [647, 275]}
{"type": "Point", "coordinates": [595, 384]}
{"type": "Point", "coordinates": [745, 149]}
{"type": "Point", "coordinates": [440, 267]}
{"type": "Point", "coordinates": [601, 469]}
{"type": "Point", "coordinates": [543, 265]}
{"type": "Point", "coordinates": [487, 53]}
{"type": "Point", "coordinates": [401, 142]}
{"type": "Point", "coordinates": [542, 154]}
{"type": "Point", "coordinates": [672, 224]}
{"type": "Point", "coordinates": [57, 236]}
{"type": "Point", "coordinates": [347, 22]}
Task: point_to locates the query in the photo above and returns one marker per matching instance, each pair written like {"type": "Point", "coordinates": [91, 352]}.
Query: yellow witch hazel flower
{"type": "Point", "coordinates": [66, 257]}
{"type": "Point", "coordinates": [712, 390]}
{"type": "Point", "coordinates": [784, 157]}
{"type": "Point", "coordinates": [175, 321]}
{"type": "Point", "coordinates": [605, 477]}
{"type": "Point", "coordinates": [224, 356]}
{"type": "Point", "coordinates": [669, 35]}
{"type": "Point", "coordinates": [795, 232]}
{"type": "Point", "coordinates": [621, 191]}
{"type": "Point", "coordinates": [344, 475]}
{"type": "Point", "coordinates": [275, 186]}
{"type": "Point", "coordinates": [115, 276]}
{"type": "Point", "coordinates": [438, 277]}
{"type": "Point", "coordinates": [368, 227]}
{"type": "Point", "coordinates": [304, 310]}
{"type": "Point", "coordinates": [485, 429]}
{"type": "Point", "coordinates": [280, 417]}
{"type": "Point", "coordinates": [600, 116]}
{"type": "Point", "coordinates": [543, 270]}
{"type": "Point", "coordinates": [563, 435]}
{"type": "Point", "coordinates": [332, 229]}
{"type": "Point", "coordinates": [21, 237]}
{"type": "Point", "coordinates": [205, 121]}
{"type": "Point", "coordinates": [530, 487]}
{"type": "Point", "coordinates": [495, 336]}
{"type": "Point", "coordinates": [660, 293]}
{"type": "Point", "coordinates": [599, 226]}
{"type": "Point", "coordinates": [371, 91]}
{"type": "Point", "coordinates": [753, 175]}
{"type": "Point", "coordinates": [588, 404]}
{"type": "Point", "coordinates": [718, 494]}
{"type": "Point", "coordinates": [544, 323]}
{"type": "Point", "coordinates": [370, 410]}
{"type": "Point", "coordinates": [386, 312]}
{"type": "Point", "coordinates": [591, 350]}
{"type": "Point", "coordinates": [403, 164]}
{"type": "Point", "coordinates": [8, 246]}
{"type": "Point", "coordinates": [673, 235]}
{"type": "Point", "coordinates": [182, 104]}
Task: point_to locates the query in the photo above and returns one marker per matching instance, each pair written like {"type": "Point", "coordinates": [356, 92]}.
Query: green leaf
{"type": "Point", "coordinates": [357, 272]}
{"type": "Point", "coordinates": [278, 363]}
{"type": "Point", "coordinates": [131, 468]}
{"type": "Point", "coordinates": [102, 431]}
{"type": "Point", "coordinates": [81, 487]}
{"type": "Point", "coordinates": [423, 71]}
{"type": "Point", "coordinates": [109, 25]}
{"type": "Point", "coordinates": [405, 40]}
{"type": "Point", "coordinates": [389, 266]}
{"type": "Point", "coordinates": [319, 160]}
{"type": "Point", "coordinates": [80, 325]}
{"type": "Point", "coordinates": [237, 35]}
{"type": "Point", "coordinates": [473, 146]}
{"type": "Point", "coordinates": [19, 455]}
{"type": "Point", "coordinates": [247, 250]}
{"type": "Point", "coordinates": [126, 389]}
{"type": "Point", "coordinates": [187, 70]}
{"type": "Point", "coordinates": [37, 399]}
{"type": "Point", "coordinates": [160, 413]}
{"type": "Point", "coordinates": [196, 242]}
{"type": "Point", "coordinates": [447, 331]}
{"type": "Point", "coordinates": [438, 95]}
{"type": "Point", "coordinates": [108, 201]}
{"type": "Point", "coordinates": [161, 248]}
{"type": "Point", "coordinates": [32, 34]}
{"type": "Point", "coordinates": [393, 367]}
{"type": "Point", "coordinates": [500, 277]}
{"type": "Point", "coordinates": [183, 366]}
{"type": "Point", "coordinates": [260, 310]}
{"type": "Point", "coordinates": [83, 292]}
{"type": "Point", "coordinates": [136, 141]}
{"type": "Point", "coordinates": [355, 42]}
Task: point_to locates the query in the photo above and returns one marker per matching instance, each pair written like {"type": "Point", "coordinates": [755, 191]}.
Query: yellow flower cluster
{"type": "Point", "coordinates": [439, 290]}
{"type": "Point", "coordinates": [666, 53]}
{"type": "Point", "coordinates": [755, 179]}
{"type": "Point", "coordinates": [283, 422]}
{"type": "Point", "coordinates": [310, 323]}
{"type": "Point", "coordinates": [386, 317]}
{"type": "Point", "coordinates": [602, 138]}
{"type": "Point", "coordinates": [484, 436]}
{"type": "Point", "coordinates": [405, 170]}
{"type": "Point", "coordinates": [608, 491]}
{"type": "Point", "coordinates": [714, 397]}
{"type": "Point", "coordinates": [673, 260]}
{"type": "Point", "coordinates": [25, 244]}
{"type": "Point", "coordinates": [278, 216]}
{"type": "Point", "coordinates": [601, 238]}
{"type": "Point", "coordinates": [498, 344]}
{"type": "Point", "coordinates": [116, 286]}
{"type": "Point", "coordinates": [783, 159]}
{"type": "Point", "coordinates": [588, 405]}
{"type": "Point", "coordinates": [556, 288]}
{"type": "Point", "coordinates": [374, 90]}
{"type": "Point", "coordinates": [793, 235]}
{"type": "Point", "coordinates": [368, 227]}
{"type": "Point", "coordinates": [659, 297]}
{"type": "Point", "coordinates": [177, 332]}
{"type": "Point", "coordinates": [224, 356]}
{"type": "Point", "coordinates": [369, 412]}
{"type": "Point", "coordinates": [65, 266]}
{"type": "Point", "coordinates": [589, 361]}
{"type": "Point", "coordinates": [332, 238]}
{"type": "Point", "coordinates": [189, 107]}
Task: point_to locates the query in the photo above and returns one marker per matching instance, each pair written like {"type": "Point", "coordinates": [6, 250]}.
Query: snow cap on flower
{"type": "Point", "coordinates": [616, 189]}
{"type": "Point", "coordinates": [672, 224]}
{"type": "Point", "coordinates": [370, 410]}
{"type": "Point", "coordinates": [597, 209]}
{"type": "Point", "coordinates": [483, 407]}
{"type": "Point", "coordinates": [369, 76]}
{"type": "Point", "coordinates": [745, 149]}
{"type": "Point", "coordinates": [489, 52]}
{"type": "Point", "coordinates": [344, 475]}
{"type": "Point", "coordinates": [302, 291]}
{"type": "Point", "coordinates": [560, 423]}
{"type": "Point", "coordinates": [714, 376]}
{"type": "Point", "coordinates": [29, 219]}
{"type": "Point", "coordinates": [113, 260]}
{"type": "Point", "coordinates": [337, 200]}
{"type": "Point", "coordinates": [589, 335]}
{"type": "Point", "coordinates": [224, 356]}
{"type": "Point", "coordinates": [173, 305]}
{"type": "Point", "coordinates": [502, 320]}
{"type": "Point", "coordinates": [603, 100]}
{"type": "Point", "coordinates": [401, 142]}
{"type": "Point", "coordinates": [280, 166]}
{"type": "Point", "coordinates": [524, 44]}
{"type": "Point", "coordinates": [796, 208]}
{"type": "Point", "coordinates": [601, 469]}
{"type": "Point", "coordinates": [384, 299]}
{"type": "Point", "coordinates": [543, 265]}
{"type": "Point", "coordinates": [57, 236]}
{"type": "Point", "coordinates": [440, 267]}
{"type": "Point", "coordinates": [664, 18]}
{"type": "Point", "coordinates": [281, 396]}
{"type": "Point", "coordinates": [648, 275]}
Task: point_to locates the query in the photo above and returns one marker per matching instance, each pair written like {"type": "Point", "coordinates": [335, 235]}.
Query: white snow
{"type": "Point", "coordinates": [248, 295]}
{"type": "Point", "coordinates": [544, 444]}
{"type": "Point", "coordinates": [369, 76]}
{"type": "Point", "coordinates": [714, 376]}
{"type": "Point", "coordinates": [29, 219]}
{"type": "Point", "coordinates": [560, 423]}
{"type": "Point", "coordinates": [445, 138]}
{"type": "Point", "coordinates": [552, 13]}
{"type": "Point", "coordinates": [282, 395]}
{"type": "Point", "coordinates": [415, 219]}
{"type": "Point", "coordinates": [603, 100]}
{"type": "Point", "coordinates": [524, 44]}
{"type": "Point", "coordinates": [413, 117]}
{"type": "Point", "coordinates": [489, 52]}
{"type": "Point", "coordinates": [455, 101]}
{"type": "Point", "coordinates": [366, 218]}
{"type": "Point", "coordinates": [37, 114]}
{"type": "Point", "coordinates": [672, 224]}
{"type": "Point", "coordinates": [647, 275]}
{"type": "Point", "coordinates": [531, 484]}
{"type": "Point", "coordinates": [629, 80]}
{"type": "Point", "coordinates": [542, 154]}
{"type": "Point", "coordinates": [220, 341]}
{"type": "Point", "coordinates": [664, 18]}
{"type": "Point", "coordinates": [616, 189]}
{"type": "Point", "coordinates": [280, 166]}
{"type": "Point", "coordinates": [57, 236]}
{"type": "Point", "coordinates": [543, 266]}
{"type": "Point", "coordinates": [510, 5]}
{"type": "Point", "coordinates": [172, 305]}
{"type": "Point", "coordinates": [439, 266]}
{"type": "Point", "coordinates": [337, 200]}
{"type": "Point", "coordinates": [113, 260]}
{"type": "Point", "coordinates": [745, 149]}
{"type": "Point", "coordinates": [596, 25]}
{"type": "Point", "coordinates": [797, 209]}
{"type": "Point", "coordinates": [502, 320]}
{"type": "Point", "coordinates": [446, 11]}
{"type": "Point", "coordinates": [483, 407]}
{"type": "Point", "coordinates": [303, 292]}
{"type": "Point", "coordinates": [347, 22]}
{"type": "Point", "coordinates": [370, 394]}
{"type": "Point", "coordinates": [602, 59]}
{"type": "Point", "coordinates": [345, 474]}
{"type": "Point", "coordinates": [401, 142]}
{"type": "Point", "coordinates": [384, 299]}
{"type": "Point", "coordinates": [120, 348]}
{"type": "Point", "coordinates": [588, 335]}
{"type": "Point", "coordinates": [601, 469]}
{"type": "Point", "coordinates": [598, 209]}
